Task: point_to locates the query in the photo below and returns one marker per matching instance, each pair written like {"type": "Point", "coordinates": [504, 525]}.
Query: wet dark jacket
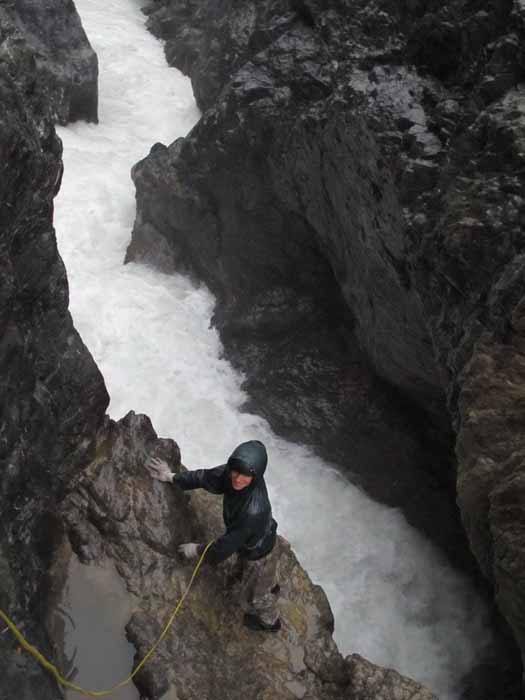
{"type": "Point", "coordinates": [250, 527]}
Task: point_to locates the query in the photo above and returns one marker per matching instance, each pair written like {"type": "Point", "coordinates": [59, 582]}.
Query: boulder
{"type": "Point", "coordinates": [65, 63]}
{"type": "Point", "coordinates": [116, 510]}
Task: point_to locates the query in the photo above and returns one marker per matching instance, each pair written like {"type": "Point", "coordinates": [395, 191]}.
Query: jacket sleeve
{"type": "Point", "coordinates": [228, 544]}
{"type": "Point", "coordinates": [210, 479]}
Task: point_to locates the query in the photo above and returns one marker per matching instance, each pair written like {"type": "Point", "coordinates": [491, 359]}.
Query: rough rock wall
{"type": "Point", "coordinates": [115, 509]}
{"type": "Point", "coordinates": [52, 396]}
{"type": "Point", "coordinates": [470, 271]}
{"type": "Point", "coordinates": [243, 204]}
{"type": "Point", "coordinates": [301, 164]}
{"type": "Point", "coordinates": [374, 149]}
{"type": "Point", "coordinates": [63, 58]}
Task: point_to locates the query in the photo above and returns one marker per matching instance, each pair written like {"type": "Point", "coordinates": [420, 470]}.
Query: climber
{"type": "Point", "coordinates": [250, 528]}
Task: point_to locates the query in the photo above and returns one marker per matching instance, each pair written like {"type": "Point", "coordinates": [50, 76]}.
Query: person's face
{"type": "Point", "coordinates": [240, 481]}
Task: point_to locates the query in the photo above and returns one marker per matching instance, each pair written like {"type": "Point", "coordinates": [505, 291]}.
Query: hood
{"type": "Point", "coordinates": [249, 458]}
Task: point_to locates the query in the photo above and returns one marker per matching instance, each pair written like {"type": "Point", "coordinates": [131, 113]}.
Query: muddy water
{"type": "Point", "coordinates": [88, 626]}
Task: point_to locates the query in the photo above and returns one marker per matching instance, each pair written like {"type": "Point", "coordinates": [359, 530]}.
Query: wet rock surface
{"type": "Point", "coordinates": [115, 509]}
{"type": "Point", "coordinates": [52, 396]}
{"type": "Point", "coordinates": [63, 62]}
{"type": "Point", "coordinates": [353, 195]}
{"type": "Point", "coordinates": [305, 369]}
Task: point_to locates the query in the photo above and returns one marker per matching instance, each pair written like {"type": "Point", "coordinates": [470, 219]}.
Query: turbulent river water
{"type": "Point", "coordinates": [395, 599]}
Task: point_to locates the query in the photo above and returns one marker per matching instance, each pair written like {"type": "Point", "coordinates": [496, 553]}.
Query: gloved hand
{"type": "Point", "coordinates": [159, 469]}
{"type": "Point", "coordinates": [190, 550]}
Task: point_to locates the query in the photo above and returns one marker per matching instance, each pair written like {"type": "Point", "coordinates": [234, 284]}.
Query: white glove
{"type": "Point", "coordinates": [190, 550]}
{"type": "Point", "coordinates": [159, 469]}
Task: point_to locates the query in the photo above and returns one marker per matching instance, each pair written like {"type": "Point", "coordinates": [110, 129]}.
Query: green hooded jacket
{"type": "Point", "coordinates": [250, 527]}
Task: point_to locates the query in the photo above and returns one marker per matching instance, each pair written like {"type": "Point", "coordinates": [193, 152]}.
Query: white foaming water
{"type": "Point", "coordinates": [395, 600]}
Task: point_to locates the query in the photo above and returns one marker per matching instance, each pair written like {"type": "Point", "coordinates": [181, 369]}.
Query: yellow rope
{"type": "Point", "coordinates": [100, 693]}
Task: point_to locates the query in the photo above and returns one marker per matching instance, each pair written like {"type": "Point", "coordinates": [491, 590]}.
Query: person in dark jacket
{"type": "Point", "coordinates": [250, 527]}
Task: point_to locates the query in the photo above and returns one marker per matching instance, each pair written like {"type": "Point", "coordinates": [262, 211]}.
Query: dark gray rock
{"type": "Point", "coordinates": [314, 383]}
{"type": "Point", "coordinates": [52, 396]}
{"type": "Point", "coordinates": [353, 197]}
{"type": "Point", "coordinates": [278, 200]}
{"type": "Point", "coordinates": [64, 62]}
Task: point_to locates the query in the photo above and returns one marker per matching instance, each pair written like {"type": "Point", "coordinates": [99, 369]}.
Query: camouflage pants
{"type": "Point", "coordinates": [256, 580]}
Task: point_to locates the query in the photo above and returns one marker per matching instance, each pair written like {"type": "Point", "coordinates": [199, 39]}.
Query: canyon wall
{"type": "Point", "coordinates": [52, 396]}
{"type": "Point", "coordinates": [353, 195]}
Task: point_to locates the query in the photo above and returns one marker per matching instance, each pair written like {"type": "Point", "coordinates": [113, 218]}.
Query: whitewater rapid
{"type": "Point", "coordinates": [395, 599]}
